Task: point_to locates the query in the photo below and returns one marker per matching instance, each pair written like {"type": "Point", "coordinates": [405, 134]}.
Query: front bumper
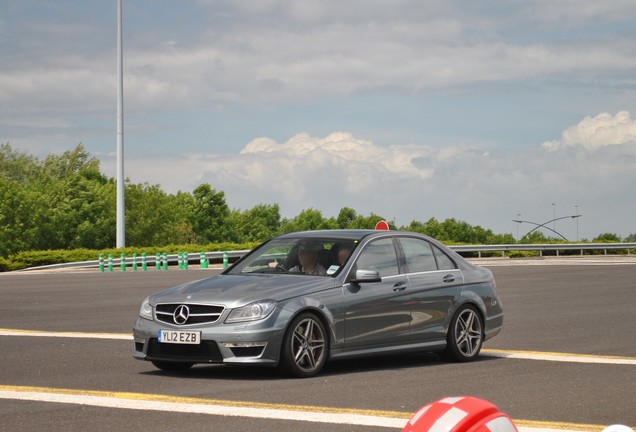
{"type": "Point", "coordinates": [255, 344]}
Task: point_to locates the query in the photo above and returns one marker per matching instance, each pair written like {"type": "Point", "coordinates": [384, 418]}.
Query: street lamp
{"type": "Point", "coordinates": [554, 216]}
{"type": "Point", "coordinates": [120, 209]}
{"type": "Point", "coordinates": [544, 225]}
{"type": "Point", "coordinates": [577, 222]}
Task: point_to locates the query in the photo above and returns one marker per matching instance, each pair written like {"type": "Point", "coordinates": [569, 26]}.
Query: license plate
{"type": "Point", "coordinates": [179, 337]}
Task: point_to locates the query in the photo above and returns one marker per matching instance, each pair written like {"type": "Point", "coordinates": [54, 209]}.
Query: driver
{"type": "Point", "coordinates": [308, 254]}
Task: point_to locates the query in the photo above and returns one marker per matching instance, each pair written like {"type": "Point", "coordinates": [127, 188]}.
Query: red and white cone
{"type": "Point", "coordinates": [460, 414]}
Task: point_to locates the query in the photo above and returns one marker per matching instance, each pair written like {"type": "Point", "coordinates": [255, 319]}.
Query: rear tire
{"type": "Point", "coordinates": [172, 366]}
{"type": "Point", "coordinates": [305, 347]}
{"type": "Point", "coordinates": [465, 335]}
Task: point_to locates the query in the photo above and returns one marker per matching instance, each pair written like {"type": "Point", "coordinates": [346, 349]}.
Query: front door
{"type": "Point", "coordinates": [377, 313]}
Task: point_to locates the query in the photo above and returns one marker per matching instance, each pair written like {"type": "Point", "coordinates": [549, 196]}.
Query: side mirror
{"type": "Point", "coordinates": [367, 276]}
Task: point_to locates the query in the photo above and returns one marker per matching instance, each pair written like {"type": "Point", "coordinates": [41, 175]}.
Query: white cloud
{"type": "Point", "coordinates": [579, 12]}
{"type": "Point", "coordinates": [416, 182]}
{"type": "Point", "coordinates": [351, 49]}
{"type": "Point", "coordinates": [599, 131]}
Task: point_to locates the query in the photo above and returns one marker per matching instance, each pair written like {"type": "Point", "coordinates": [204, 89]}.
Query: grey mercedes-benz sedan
{"type": "Point", "coordinates": [301, 299]}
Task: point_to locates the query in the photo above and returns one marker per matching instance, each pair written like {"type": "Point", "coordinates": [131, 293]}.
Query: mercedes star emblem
{"type": "Point", "coordinates": [181, 314]}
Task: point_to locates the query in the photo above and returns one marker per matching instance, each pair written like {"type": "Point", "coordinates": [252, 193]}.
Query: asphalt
{"type": "Point", "coordinates": [571, 309]}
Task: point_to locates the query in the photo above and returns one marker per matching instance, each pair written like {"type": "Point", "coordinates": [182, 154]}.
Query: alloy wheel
{"type": "Point", "coordinates": [468, 333]}
{"type": "Point", "coordinates": [308, 345]}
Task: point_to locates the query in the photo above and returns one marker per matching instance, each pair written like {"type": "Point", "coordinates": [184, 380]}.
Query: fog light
{"type": "Point", "coordinates": [246, 349]}
{"type": "Point", "coordinates": [244, 344]}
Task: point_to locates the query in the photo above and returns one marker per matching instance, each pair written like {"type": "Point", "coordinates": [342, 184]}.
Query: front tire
{"type": "Point", "coordinates": [305, 347]}
{"type": "Point", "coordinates": [465, 335]}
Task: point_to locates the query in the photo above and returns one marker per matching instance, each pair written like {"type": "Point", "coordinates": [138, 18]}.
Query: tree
{"type": "Point", "coordinates": [210, 215]}
{"type": "Point", "coordinates": [430, 228]}
{"type": "Point", "coordinates": [20, 222]}
{"type": "Point", "coordinates": [76, 161]}
{"type": "Point", "coordinates": [17, 166]}
{"type": "Point", "coordinates": [155, 218]}
{"type": "Point", "coordinates": [79, 205]}
{"type": "Point", "coordinates": [535, 237]}
{"type": "Point", "coordinates": [367, 222]}
{"type": "Point", "coordinates": [258, 224]}
{"type": "Point", "coordinates": [345, 218]}
{"type": "Point", "coordinates": [308, 220]}
{"type": "Point", "coordinates": [607, 238]}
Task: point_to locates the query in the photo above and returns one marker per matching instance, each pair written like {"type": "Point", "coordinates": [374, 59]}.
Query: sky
{"type": "Point", "coordinates": [486, 112]}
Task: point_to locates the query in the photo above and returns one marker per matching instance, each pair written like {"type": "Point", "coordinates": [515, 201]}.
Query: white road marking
{"type": "Point", "coordinates": [559, 357]}
{"type": "Point", "coordinates": [521, 355]}
{"type": "Point", "coordinates": [176, 404]}
{"type": "Point", "coordinates": [74, 335]}
{"type": "Point", "coordinates": [219, 410]}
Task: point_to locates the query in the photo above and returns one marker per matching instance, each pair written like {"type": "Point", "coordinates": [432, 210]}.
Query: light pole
{"type": "Point", "coordinates": [121, 224]}
{"type": "Point", "coordinates": [554, 217]}
{"type": "Point", "coordinates": [518, 218]}
{"type": "Point", "coordinates": [577, 222]}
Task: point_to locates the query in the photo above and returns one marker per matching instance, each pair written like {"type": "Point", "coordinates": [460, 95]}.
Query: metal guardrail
{"type": "Point", "coordinates": [546, 247]}
{"type": "Point", "coordinates": [503, 248]}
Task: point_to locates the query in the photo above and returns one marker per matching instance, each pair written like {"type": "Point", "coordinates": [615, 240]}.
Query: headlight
{"type": "Point", "coordinates": [146, 310]}
{"type": "Point", "coordinates": [251, 312]}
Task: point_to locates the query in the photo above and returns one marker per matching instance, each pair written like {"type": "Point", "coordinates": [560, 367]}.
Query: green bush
{"type": "Point", "coordinates": [523, 254]}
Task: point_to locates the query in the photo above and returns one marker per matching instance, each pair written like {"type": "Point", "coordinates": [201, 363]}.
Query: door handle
{"type": "Point", "coordinates": [400, 286]}
{"type": "Point", "coordinates": [449, 278]}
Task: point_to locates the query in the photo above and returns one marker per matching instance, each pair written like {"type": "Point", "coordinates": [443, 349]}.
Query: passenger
{"type": "Point", "coordinates": [308, 255]}
{"type": "Point", "coordinates": [344, 251]}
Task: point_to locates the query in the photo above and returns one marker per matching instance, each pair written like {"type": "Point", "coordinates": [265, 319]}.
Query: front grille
{"type": "Point", "coordinates": [206, 352]}
{"type": "Point", "coordinates": [196, 313]}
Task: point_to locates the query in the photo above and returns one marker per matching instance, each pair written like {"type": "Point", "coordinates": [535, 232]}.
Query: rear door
{"type": "Point", "coordinates": [435, 285]}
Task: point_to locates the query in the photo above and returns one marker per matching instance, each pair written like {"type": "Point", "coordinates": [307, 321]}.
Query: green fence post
{"type": "Point", "coordinates": [110, 262]}
{"type": "Point", "coordinates": [185, 260]}
{"type": "Point", "coordinates": [101, 262]}
{"type": "Point", "coordinates": [225, 259]}
{"type": "Point", "coordinates": [122, 262]}
{"type": "Point", "coordinates": [165, 260]}
{"type": "Point", "coordinates": [144, 262]}
{"type": "Point", "coordinates": [134, 265]}
{"type": "Point", "coordinates": [157, 261]}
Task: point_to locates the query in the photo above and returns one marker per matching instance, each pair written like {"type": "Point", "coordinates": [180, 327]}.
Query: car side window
{"type": "Point", "coordinates": [379, 255]}
{"type": "Point", "coordinates": [419, 255]}
{"type": "Point", "coordinates": [443, 261]}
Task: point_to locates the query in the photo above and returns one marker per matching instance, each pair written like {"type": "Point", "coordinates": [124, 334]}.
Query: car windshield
{"type": "Point", "coordinates": [305, 256]}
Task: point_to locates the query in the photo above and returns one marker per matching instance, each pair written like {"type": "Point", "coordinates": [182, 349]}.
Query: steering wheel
{"type": "Point", "coordinates": [280, 269]}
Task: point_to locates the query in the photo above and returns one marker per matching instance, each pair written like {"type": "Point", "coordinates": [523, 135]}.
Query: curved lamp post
{"type": "Point", "coordinates": [544, 225]}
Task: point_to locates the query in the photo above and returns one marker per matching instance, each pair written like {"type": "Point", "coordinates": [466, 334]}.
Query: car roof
{"type": "Point", "coordinates": [345, 234]}
{"type": "Point", "coordinates": [360, 234]}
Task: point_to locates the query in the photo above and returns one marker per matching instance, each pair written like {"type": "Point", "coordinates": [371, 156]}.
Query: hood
{"type": "Point", "coordinates": [239, 290]}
